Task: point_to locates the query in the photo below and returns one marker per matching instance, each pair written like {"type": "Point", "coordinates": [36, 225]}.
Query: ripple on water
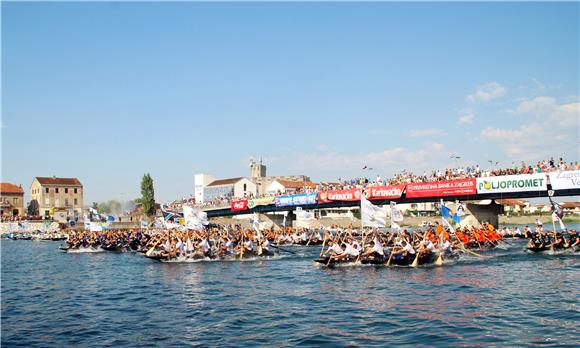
{"type": "Point", "coordinates": [509, 297]}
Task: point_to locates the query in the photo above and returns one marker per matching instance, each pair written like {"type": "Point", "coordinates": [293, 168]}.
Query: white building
{"type": "Point", "coordinates": [200, 182]}
{"type": "Point", "coordinates": [280, 186]}
{"type": "Point", "coordinates": [229, 188]}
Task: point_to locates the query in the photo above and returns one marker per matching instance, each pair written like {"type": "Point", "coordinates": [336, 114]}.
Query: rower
{"type": "Point", "coordinates": [375, 250]}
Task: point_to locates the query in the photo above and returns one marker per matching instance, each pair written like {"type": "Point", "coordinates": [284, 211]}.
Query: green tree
{"type": "Point", "coordinates": [147, 195]}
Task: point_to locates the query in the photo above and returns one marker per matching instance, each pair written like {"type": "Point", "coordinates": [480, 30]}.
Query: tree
{"type": "Point", "coordinates": [147, 195]}
{"type": "Point", "coordinates": [32, 207]}
{"type": "Point", "coordinates": [95, 205]}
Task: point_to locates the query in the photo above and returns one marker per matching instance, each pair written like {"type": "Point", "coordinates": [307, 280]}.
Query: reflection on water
{"type": "Point", "coordinates": [509, 297]}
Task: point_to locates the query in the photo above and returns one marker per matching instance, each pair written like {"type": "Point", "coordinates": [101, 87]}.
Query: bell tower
{"type": "Point", "coordinates": [257, 169]}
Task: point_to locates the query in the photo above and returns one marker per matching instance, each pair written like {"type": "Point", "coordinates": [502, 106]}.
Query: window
{"type": "Point", "coordinates": [15, 201]}
{"type": "Point", "coordinates": [76, 201]}
{"type": "Point", "coordinates": [75, 190]}
{"type": "Point", "coordinates": [66, 202]}
{"type": "Point", "coordinates": [46, 201]}
{"type": "Point", "coordinates": [56, 190]}
{"type": "Point", "coordinates": [244, 187]}
{"type": "Point", "coordinates": [46, 190]}
{"type": "Point", "coordinates": [65, 190]}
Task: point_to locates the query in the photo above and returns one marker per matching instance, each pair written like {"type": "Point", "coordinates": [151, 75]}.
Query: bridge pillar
{"type": "Point", "coordinates": [478, 213]}
{"type": "Point", "coordinates": [276, 220]}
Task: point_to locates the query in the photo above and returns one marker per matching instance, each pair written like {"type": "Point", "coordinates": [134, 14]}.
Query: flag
{"type": "Point", "coordinates": [371, 215]}
{"type": "Point", "coordinates": [445, 212]}
{"type": "Point", "coordinates": [448, 225]}
{"type": "Point", "coordinates": [557, 213]}
{"type": "Point", "coordinates": [460, 209]}
{"type": "Point", "coordinates": [256, 225]}
{"type": "Point", "coordinates": [396, 214]}
{"type": "Point", "coordinates": [194, 219]}
{"type": "Point", "coordinates": [456, 218]}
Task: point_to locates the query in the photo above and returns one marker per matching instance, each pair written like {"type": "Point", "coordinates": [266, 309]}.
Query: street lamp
{"type": "Point", "coordinates": [455, 157]}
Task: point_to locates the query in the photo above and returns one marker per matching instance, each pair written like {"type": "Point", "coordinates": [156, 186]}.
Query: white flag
{"type": "Point", "coordinates": [556, 218]}
{"type": "Point", "coordinates": [256, 225]}
{"type": "Point", "coordinates": [447, 225]}
{"type": "Point", "coordinates": [396, 214]}
{"type": "Point", "coordinates": [194, 219]}
{"type": "Point", "coordinates": [371, 215]}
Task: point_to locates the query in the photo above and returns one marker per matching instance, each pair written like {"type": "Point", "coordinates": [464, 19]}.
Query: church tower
{"type": "Point", "coordinates": [257, 169]}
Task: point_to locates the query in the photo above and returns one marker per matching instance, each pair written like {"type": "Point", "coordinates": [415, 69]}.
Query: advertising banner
{"type": "Point", "coordinates": [565, 180]}
{"type": "Point", "coordinates": [385, 192]}
{"type": "Point", "coordinates": [260, 201]}
{"type": "Point", "coordinates": [339, 195]}
{"type": "Point", "coordinates": [442, 188]}
{"type": "Point", "coordinates": [512, 183]}
{"type": "Point", "coordinates": [293, 200]}
{"type": "Point", "coordinates": [240, 205]}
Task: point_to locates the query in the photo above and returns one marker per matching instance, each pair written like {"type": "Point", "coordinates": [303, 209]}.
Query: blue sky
{"type": "Point", "coordinates": [106, 92]}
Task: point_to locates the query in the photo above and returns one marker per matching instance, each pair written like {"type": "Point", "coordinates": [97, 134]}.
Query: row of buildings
{"type": "Point", "coordinates": [209, 189]}
{"type": "Point", "coordinates": [48, 196]}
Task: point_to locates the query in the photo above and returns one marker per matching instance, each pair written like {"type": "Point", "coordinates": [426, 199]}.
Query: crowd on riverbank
{"type": "Point", "coordinates": [407, 177]}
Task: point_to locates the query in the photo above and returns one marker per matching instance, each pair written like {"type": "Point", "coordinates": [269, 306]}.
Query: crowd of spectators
{"type": "Point", "coordinates": [404, 177]}
{"type": "Point", "coordinates": [7, 218]}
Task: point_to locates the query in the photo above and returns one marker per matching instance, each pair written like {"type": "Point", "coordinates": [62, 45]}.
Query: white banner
{"type": "Point", "coordinates": [304, 215]}
{"type": "Point", "coordinates": [512, 183]}
{"type": "Point", "coordinates": [96, 227]}
{"type": "Point", "coordinates": [565, 180]}
{"type": "Point", "coordinates": [372, 215]}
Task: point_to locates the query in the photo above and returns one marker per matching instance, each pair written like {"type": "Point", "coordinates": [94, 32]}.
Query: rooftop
{"type": "Point", "coordinates": [297, 184]}
{"type": "Point", "coordinates": [58, 181]}
{"type": "Point", "coordinates": [10, 188]}
{"type": "Point", "coordinates": [220, 182]}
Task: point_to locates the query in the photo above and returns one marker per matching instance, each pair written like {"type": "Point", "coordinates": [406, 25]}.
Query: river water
{"type": "Point", "coordinates": [509, 297]}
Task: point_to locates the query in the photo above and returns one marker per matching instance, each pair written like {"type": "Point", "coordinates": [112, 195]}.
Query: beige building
{"type": "Point", "coordinates": [263, 182]}
{"type": "Point", "coordinates": [58, 194]}
{"type": "Point", "coordinates": [11, 200]}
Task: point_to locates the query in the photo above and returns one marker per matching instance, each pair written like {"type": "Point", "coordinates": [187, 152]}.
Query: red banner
{"type": "Point", "coordinates": [385, 192]}
{"type": "Point", "coordinates": [442, 188]}
{"type": "Point", "coordinates": [240, 205]}
{"type": "Point", "coordinates": [339, 195]}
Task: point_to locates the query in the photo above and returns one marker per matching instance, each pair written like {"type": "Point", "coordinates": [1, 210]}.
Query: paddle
{"type": "Point", "coordinates": [288, 251]}
{"type": "Point", "coordinates": [416, 261]}
{"type": "Point", "coordinates": [323, 243]}
{"type": "Point", "coordinates": [439, 261]}
{"type": "Point", "coordinates": [362, 248]}
{"type": "Point", "coordinates": [390, 257]}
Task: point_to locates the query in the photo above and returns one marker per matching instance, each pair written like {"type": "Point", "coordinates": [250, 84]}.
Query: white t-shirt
{"type": "Point", "coordinates": [336, 248]}
{"type": "Point", "coordinates": [409, 248]}
{"type": "Point", "coordinates": [378, 248]}
{"type": "Point", "coordinates": [350, 250]}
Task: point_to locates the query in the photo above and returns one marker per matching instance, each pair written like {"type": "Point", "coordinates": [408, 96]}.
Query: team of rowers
{"type": "Point", "coordinates": [338, 245]}
{"type": "Point", "coordinates": [542, 240]}
{"type": "Point", "coordinates": [37, 235]}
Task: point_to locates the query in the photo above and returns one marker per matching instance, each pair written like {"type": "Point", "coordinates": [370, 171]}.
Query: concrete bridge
{"type": "Point", "coordinates": [227, 211]}
{"type": "Point", "coordinates": [465, 190]}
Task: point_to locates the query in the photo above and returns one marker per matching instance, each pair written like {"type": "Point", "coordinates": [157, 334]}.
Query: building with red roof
{"type": "Point", "coordinates": [11, 200]}
{"type": "Point", "coordinates": [58, 194]}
